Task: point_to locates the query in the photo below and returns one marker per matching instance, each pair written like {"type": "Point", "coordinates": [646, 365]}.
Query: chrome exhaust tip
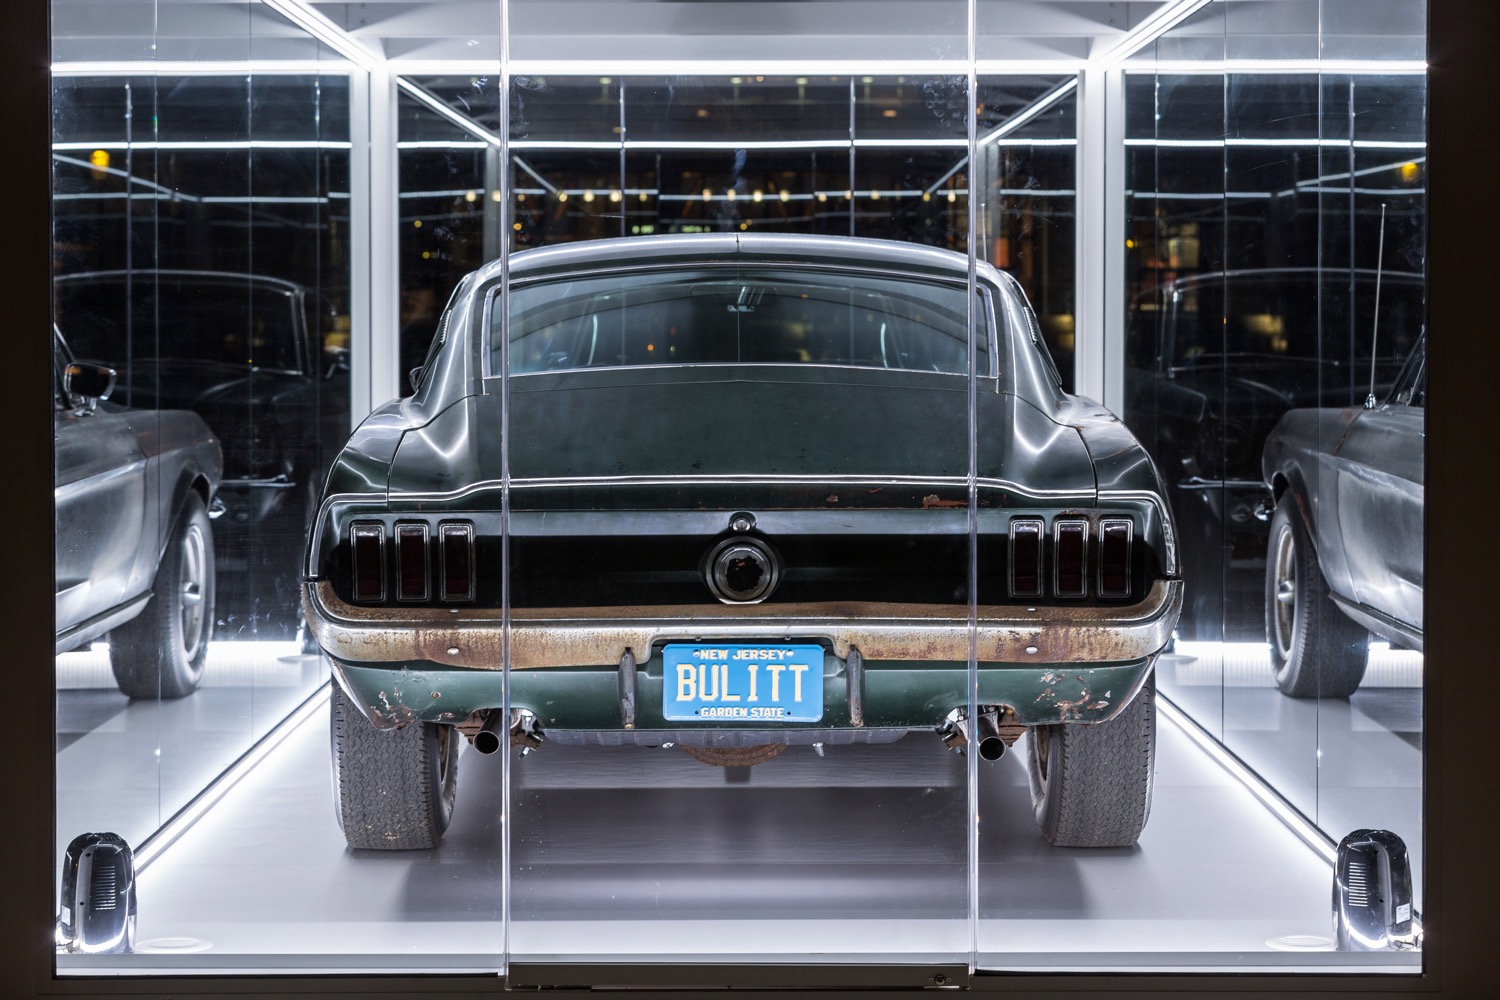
{"type": "Point", "coordinates": [955, 734]}
{"type": "Point", "coordinates": [991, 748]}
{"type": "Point", "coordinates": [523, 731]}
{"type": "Point", "coordinates": [487, 740]}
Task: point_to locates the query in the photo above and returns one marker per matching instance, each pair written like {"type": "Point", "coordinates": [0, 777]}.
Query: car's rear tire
{"type": "Point", "coordinates": [1091, 783]}
{"type": "Point", "coordinates": [160, 652]}
{"type": "Point", "coordinates": [1316, 650]}
{"type": "Point", "coordinates": [394, 788]}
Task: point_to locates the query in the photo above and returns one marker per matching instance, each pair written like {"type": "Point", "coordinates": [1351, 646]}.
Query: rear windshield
{"type": "Point", "coordinates": [708, 315]}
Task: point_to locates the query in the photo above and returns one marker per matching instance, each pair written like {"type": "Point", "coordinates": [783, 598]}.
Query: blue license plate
{"type": "Point", "coordinates": [742, 682]}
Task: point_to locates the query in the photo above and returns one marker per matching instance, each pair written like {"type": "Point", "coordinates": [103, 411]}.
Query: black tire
{"type": "Point", "coordinates": [160, 652]}
{"type": "Point", "coordinates": [394, 788]}
{"type": "Point", "coordinates": [1317, 651]}
{"type": "Point", "coordinates": [1091, 783]}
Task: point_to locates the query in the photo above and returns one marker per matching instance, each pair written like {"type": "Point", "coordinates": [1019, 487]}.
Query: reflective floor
{"type": "Point", "coordinates": [128, 766]}
{"type": "Point", "coordinates": [1346, 764]}
{"type": "Point", "coordinates": [632, 854]}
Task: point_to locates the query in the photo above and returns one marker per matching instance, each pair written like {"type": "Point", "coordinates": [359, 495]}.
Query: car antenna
{"type": "Point", "coordinates": [1375, 324]}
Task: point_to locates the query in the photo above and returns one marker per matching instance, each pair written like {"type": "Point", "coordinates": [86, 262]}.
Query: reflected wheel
{"type": "Point", "coordinates": [160, 652]}
{"type": "Point", "coordinates": [1316, 650]}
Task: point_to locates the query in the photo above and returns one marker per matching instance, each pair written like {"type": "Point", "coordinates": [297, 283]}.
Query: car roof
{"type": "Point", "coordinates": [847, 251]}
{"type": "Point", "coordinates": [207, 277]}
{"type": "Point", "coordinates": [1283, 273]}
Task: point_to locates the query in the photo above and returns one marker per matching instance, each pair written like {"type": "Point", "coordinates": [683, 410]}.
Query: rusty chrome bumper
{"type": "Point", "coordinates": [473, 638]}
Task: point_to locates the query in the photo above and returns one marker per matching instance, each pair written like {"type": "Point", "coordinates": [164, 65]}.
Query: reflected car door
{"type": "Point", "coordinates": [100, 490]}
{"type": "Point", "coordinates": [1379, 473]}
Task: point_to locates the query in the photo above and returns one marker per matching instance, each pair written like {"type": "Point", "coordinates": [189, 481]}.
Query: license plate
{"type": "Point", "coordinates": [742, 682]}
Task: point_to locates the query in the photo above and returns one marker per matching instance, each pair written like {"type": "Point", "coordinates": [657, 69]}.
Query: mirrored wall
{"type": "Point", "coordinates": [201, 267]}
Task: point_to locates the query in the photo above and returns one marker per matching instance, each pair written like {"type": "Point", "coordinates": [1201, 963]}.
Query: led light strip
{"type": "Point", "coordinates": [1160, 21]}
{"type": "Point", "coordinates": [183, 820]}
{"type": "Point", "coordinates": [325, 31]}
{"type": "Point", "coordinates": [1268, 141]}
{"type": "Point", "coordinates": [1358, 67]}
{"type": "Point", "coordinates": [209, 144]}
{"type": "Point", "coordinates": [1321, 844]}
{"type": "Point", "coordinates": [1036, 108]}
{"type": "Point", "coordinates": [208, 67]}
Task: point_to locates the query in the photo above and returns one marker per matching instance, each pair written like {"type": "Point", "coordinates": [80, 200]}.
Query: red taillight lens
{"type": "Point", "coordinates": [411, 562]}
{"type": "Point", "coordinates": [1026, 558]}
{"type": "Point", "coordinates": [367, 542]}
{"type": "Point", "coordinates": [1114, 557]}
{"type": "Point", "coordinates": [1070, 544]}
{"type": "Point", "coordinates": [456, 543]}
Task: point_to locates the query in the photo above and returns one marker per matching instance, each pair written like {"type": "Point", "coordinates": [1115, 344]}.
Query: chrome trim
{"type": "Point", "coordinates": [1083, 570]}
{"type": "Point", "coordinates": [86, 631]}
{"type": "Point", "coordinates": [280, 482]}
{"type": "Point", "coordinates": [466, 531]}
{"type": "Point", "coordinates": [1104, 525]}
{"type": "Point", "coordinates": [1082, 497]}
{"type": "Point", "coordinates": [1041, 528]}
{"type": "Point", "coordinates": [1170, 565]}
{"type": "Point", "coordinates": [477, 638]}
{"type": "Point", "coordinates": [420, 528]}
{"type": "Point", "coordinates": [1199, 483]}
{"type": "Point", "coordinates": [376, 530]}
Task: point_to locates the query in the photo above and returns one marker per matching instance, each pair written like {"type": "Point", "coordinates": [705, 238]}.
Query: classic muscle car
{"type": "Point", "coordinates": [1211, 366]}
{"type": "Point", "coordinates": [1345, 555]}
{"type": "Point", "coordinates": [134, 555]}
{"type": "Point", "coordinates": [237, 350]}
{"type": "Point", "coordinates": [717, 492]}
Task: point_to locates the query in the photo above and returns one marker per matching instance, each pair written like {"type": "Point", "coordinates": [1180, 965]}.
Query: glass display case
{"type": "Point", "coordinates": [588, 493]}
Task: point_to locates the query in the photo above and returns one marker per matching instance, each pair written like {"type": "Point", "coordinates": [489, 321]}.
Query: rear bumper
{"type": "Point", "coordinates": [599, 670]}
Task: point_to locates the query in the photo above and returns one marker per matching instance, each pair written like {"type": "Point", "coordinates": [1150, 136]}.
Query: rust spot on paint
{"type": "Point", "coordinates": [932, 500]}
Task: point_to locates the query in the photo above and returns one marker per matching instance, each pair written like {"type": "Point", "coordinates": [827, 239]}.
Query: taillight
{"type": "Point", "coordinates": [1114, 557]}
{"type": "Point", "coordinates": [1026, 558]}
{"type": "Point", "coordinates": [1070, 545]}
{"type": "Point", "coordinates": [415, 562]}
{"type": "Point", "coordinates": [367, 542]}
{"type": "Point", "coordinates": [1080, 561]}
{"type": "Point", "coordinates": [411, 562]}
{"type": "Point", "coordinates": [456, 554]}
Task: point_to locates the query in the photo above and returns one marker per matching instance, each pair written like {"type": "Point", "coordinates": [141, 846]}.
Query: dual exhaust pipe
{"type": "Point", "coordinates": [955, 734]}
{"type": "Point", "coordinates": [523, 731]}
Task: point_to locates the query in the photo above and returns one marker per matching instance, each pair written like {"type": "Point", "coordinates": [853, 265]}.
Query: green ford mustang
{"type": "Point", "coordinates": [721, 493]}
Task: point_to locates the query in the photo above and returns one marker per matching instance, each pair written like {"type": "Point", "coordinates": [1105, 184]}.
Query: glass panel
{"type": "Point", "coordinates": [734, 482]}
{"type": "Point", "coordinates": [201, 235]}
{"type": "Point", "coordinates": [1372, 185]}
{"type": "Point", "coordinates": [1028, 136]}
{"type": "Point", "coordinates": [1273, 213]}
{"type": "Point", "coordinates": [1265, 354]}
{"type": "Point", "coordinates": [736, 438]}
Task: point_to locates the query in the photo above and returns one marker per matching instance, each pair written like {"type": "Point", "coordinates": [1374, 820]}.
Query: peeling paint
{"type": "Point", "coordinates": [932, 500]}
